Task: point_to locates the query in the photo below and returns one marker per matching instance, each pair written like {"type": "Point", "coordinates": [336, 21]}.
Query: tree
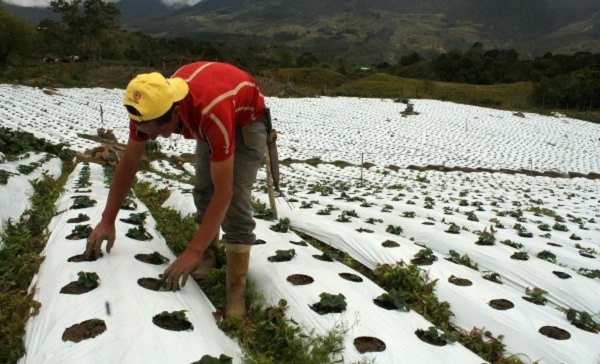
{"type": "Point", "coordinates": [15, 35]}
{"type": "Point", "coordinates": [87, 22]}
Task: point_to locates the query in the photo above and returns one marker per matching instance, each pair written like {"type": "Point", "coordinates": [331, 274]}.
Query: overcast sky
{"type": "Point", "coordinates": [44, 3]}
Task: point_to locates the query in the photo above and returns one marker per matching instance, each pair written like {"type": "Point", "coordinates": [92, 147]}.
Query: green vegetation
{"type": "Point", "coordinates": [455, 257]}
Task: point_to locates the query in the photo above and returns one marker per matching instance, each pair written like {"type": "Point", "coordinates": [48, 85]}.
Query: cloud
{"type": "Point", "coordinates": [45, 3]}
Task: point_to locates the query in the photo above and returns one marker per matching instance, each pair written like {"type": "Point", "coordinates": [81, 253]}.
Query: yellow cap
{"type": "Point", "coordinates": [152, 95]}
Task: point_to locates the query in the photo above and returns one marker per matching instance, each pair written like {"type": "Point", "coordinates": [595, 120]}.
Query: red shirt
{"type": "Point", "coordinates": [221, 98]}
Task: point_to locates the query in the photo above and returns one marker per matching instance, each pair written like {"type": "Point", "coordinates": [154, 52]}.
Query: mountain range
{"type": "Point", "coordinates": [371, 30]}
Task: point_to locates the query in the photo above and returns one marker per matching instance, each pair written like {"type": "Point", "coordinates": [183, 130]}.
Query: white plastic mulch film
{"type": "Point", "coordinates": [126, 308]}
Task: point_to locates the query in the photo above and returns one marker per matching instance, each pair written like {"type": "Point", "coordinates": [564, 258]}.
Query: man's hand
{"type": "Point", "coordinates": [181, 269]}
{"type": "Point", "coordinates": [102, 231]}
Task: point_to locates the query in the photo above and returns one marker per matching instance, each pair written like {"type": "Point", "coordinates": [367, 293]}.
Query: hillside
{"type": "Point", "coordinates": [372, 31]}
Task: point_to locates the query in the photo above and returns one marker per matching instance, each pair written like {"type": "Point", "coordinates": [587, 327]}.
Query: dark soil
{"type": "Point", "coordinates": [554, 332]}
{"type": "Point", "coordinates": [561, 275]}
{"type": "Point", "coordinates": [421, 261]}
{"type": "Point", "coordinates": [384, 304]}
{"type": "Point", "coordinates": [323, 257]}
{"type": "Point", "coordinates": [529, 299]}
{"type": "Point", "coordinates": [584, 254]}
{"type": "Point", "coordinates": [83, 191]}
{"type": "Point", "coordinates": [152, 284]}
{"type": "Point", "coordinates": [76, 288]}
{"type": "Point", "coordinates": [172, 324]}
{"type": "Point", "coordinates": [147, 258]}
{"type": "Point", "coordinates": [585, 328]}
{"type": "Point", "coordinates": [460, 281]}
{"type": "Point", "coordinates": [259, 242]}
{"type": "Point", "coordinates": [76, 237]}
{"type": "Point", "coordinates": [132, 222]}
{"type": "Point", "coordinates": [487, 277]}
{"type": "Point", "coordinates": [351, 277]}
{"type": "Point", "coordinates": [501, 304]}
{"type": "Point", "coordinates": [368, 344]}
{"type": "Point", "coordinates": [81, 258]}
{"type": "Point", "coordinates": [361, 230]}
{"type": "Point", "coordinates": [274, 258]}
{"type": "Point", "coordinates": [390, 244]}
{"type": "Point", "coordinates": [325, 310]}
{"type": "Point", "coordinates": [554, 244]}
{"type": "Point", "coordinates": [140, 237]}
{"type": "Point", "coordinates": [300, 243]}
{"type": "Point", "coordinates": [433, 341]}
{"type": "Point", "coordinates": [83, 331]}
{"type": "Point", "coordinates": [300, 279]}
{"type": "Point", "coordinates": [428, 223]}
{"type": "Point", "coordinates": [78, 219]}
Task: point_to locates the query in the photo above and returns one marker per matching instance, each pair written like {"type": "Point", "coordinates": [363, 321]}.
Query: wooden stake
{"type": "Point", "coordinates": [270, 187]}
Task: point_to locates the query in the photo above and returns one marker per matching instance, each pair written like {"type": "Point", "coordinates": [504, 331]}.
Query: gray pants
{"type": "Point", "coordinates": [238, 225]}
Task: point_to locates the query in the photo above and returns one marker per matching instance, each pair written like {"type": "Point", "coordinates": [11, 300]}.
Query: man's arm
{"type": "Point", "coordinates": [222, 178]}
{"type": "Point", "coordinates": [122, 182]}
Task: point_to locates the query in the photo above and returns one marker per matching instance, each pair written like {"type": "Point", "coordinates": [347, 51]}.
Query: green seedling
{"type": "Point", "coordinates": [283, 255]}
{"type": "Point", "coordinates": [464, 260]}
{"type": "Point", "coordinates": [80, 232]}
{"type": "Point", "coordinates": [544, 227]}
{"type": "Point", "coordinates": [486, 238]}
{"type": "Point", "coordinates": [453, 229]}
{"type": "Point", "coordinates": [282, 226]}
{"type": "Point", "coordinates": [157, 258]}
{"type": "Point", "coordinates": [81, 202]}
{"type": "Point", "coordinates": [560, 227]}
{"type": "Point", "coordinates": [520, 256]}
{"type": "Point", "coordinates": [138, 233]}
{"type": "Point", "coordinates": [394, 298]}
{"type": "Point", "coordinates": [547, 256]}
{"type": "Point", "coordinates": [581, 318]}
{"type": "Point", "coordinates": [427, 254]}
{"type": "Point", "coordinates": [372, 221]}
{"type": "Point", "coordinates": [408, 214]}
{"type": "Point", "coordinates": [93, 323]}
{"type": "Point", "coordinates": [330, 303]}
{"type": "Point", "coordinates": [512, 244]}
{"type": "Point", "coordinates": [306, 205]}
{"type": "Point", "coordinates": [88, 279]}
{"type": "Point", "coordinates": [393, 229]}
{"type": "Point", "coordinates": [432, 334]}
{"type": "Point", "coordinates": [129, 204]}
{"type": "Point", "coordinates": [536, 295]}
{"type": "Point", "coordinates": [136, 219]}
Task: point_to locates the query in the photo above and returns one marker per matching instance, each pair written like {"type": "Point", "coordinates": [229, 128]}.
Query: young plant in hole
{"type": "Point", "coordinates": [283, 255]}
{"type": "Point", "coordinates": [330, 303]}
{"type": "Point", "coordinates": [394, 298]}
{"type": "Point", "coordinates": [81, 202]}
{"type": "Point", "coordinates": [371, 220]}
{"type": "Point", "coordinates": [177, 316]}
{"type": "Point", "coordinates": [536, 295]}
{"type": "Point", "coordinates": [81, 232]}
{"type": "Point", "coordinates": [512, 244]}
{"type": "Point", "coordinates": [282, 226]}
{"type": "Point", "coordinates": [520, 256]}
{"type": "Point", "coordinates": [129, 204]}
{"type": "Point", "coordinates": [261, 211]}
{"type": "Point", "coordinates": [138, 233]}
{"type": "Point", "coordinates": [306, 205]}
{"type": "Point", "coordinates": [157, 258]}
{"type": "Point", "coordinates": [464, 260]}
{"type": "Point", "coordinates": [453, 229]}
{"type": "Point", "coordinates": [433, 334]}
{"type": "Point", "coordinates": [136, 218]}
{"type": "Point", "coordinates": [486, 238]}
{"type": "Point", "coordinates": [88, 279]}
{"type": "Point", "coordinates": [581, 318]}
{"type": "Point", "coordinates": [393, 229]}
{"type": "Point", "coordinates": [547, 255]}
{"type": "Point", "coordinates": [427, 254]}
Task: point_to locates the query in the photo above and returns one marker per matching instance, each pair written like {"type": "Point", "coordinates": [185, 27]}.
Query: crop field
{"type": "Point", "coordinates": [500, 245]}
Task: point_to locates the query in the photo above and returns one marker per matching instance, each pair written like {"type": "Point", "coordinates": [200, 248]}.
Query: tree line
{"type": "Point", "coordinates": [88, 29]}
